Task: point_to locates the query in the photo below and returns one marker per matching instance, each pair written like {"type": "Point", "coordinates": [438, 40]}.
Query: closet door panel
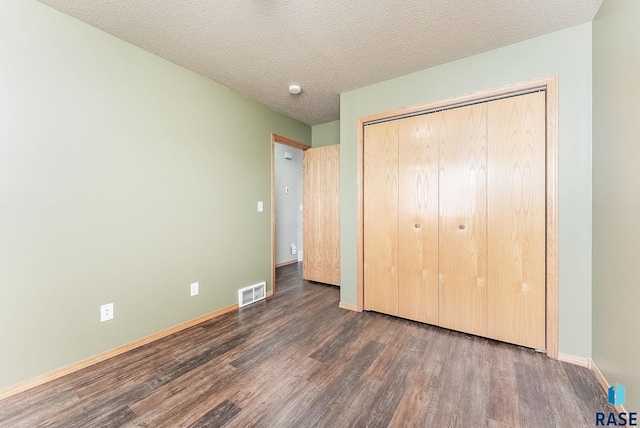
{"type": "Point", "coordinates": [321, 215]}
{"type": "Point", "coordinates": [463, 219]}
{"type": "Point", "coordinates": [418, 218]}
{"type": "Point", "coordinates": [516, 204]}
{"type": "Point", "coordinates": [381, 217]}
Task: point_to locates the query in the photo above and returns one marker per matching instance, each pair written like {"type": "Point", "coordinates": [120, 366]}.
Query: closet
{"type": "Point", "coordinates": [454, 221]}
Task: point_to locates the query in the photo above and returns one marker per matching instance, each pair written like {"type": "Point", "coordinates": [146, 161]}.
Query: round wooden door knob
{"type": "Point", "coordinates": [417, 226]}
{"type": "Point", "coordinates": [461, 227]}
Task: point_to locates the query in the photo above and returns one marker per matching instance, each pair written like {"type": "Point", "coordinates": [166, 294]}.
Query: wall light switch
{"type": "Point", "coordinates": [195, 288]}
{"type": "Point", "coordinates": [260, 207]}
{"type": "Point", "coordinates": [287, 190]}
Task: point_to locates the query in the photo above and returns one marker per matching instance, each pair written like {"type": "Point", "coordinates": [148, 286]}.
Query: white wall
{"type": "Point", "coordinates": [288, 214]}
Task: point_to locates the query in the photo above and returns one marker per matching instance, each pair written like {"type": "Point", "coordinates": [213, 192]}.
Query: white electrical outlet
{"type": "Point", "coordinates": [293, 249]}
{"type": "Point", "coordinates": [260, 207]}
{"type": "Point", "coordinates": [106, 312]}
{"type": "Point", "coordinates": [195, 288]}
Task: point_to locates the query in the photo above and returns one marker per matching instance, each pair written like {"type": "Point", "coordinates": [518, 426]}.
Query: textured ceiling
{"type": "Point", "coordinates": [260, 47]}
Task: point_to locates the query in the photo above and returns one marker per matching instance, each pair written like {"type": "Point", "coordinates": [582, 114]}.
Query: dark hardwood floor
{"type": "Point", "coordinates": [297, 360]}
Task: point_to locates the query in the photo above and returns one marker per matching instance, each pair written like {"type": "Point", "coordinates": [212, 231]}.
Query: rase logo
{"type": "Point", "coordinates": [616, 397]}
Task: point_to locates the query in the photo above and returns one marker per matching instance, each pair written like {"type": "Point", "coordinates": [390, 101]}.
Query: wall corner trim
{"type": "Point", "coordinates": [349, 307]}
{"type": "Point", "coordinates": [591, 365]}
{"type": "Point", "coordinates": [56, 374]}
{"type": "Point", "coordinates": [603, 381]}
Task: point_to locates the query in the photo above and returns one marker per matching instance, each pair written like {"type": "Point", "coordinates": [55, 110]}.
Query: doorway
{"type": "Point", "coordinates": [279, 250]}
{"type": "Point", "coordinates": [288, 202]}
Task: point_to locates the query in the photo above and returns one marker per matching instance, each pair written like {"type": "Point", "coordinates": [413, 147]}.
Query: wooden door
{"type": "Point", "coordinates": [517, 220]}
{"type": "Point", "coordinates": [321, 215]}
{"type": "Point", "coordinates": [463, 219]}
{"type": "Point", "coordinates": [381, 217]}
{"type": "Point", "coordinates": [418, 218]}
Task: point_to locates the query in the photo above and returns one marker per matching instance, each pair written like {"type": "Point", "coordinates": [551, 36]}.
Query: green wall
{"type": "Point", "coordinates": [566, 53]}
{"type": "Point", "coordinates": [123, 178]}
{"type": "Point", "coordinates": [325, 134]}
{"type": "Point", "coordinates": [616, 205]}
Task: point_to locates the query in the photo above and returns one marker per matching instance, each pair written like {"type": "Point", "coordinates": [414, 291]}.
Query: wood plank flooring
{"type": "Point", "coordinates": [297, 360]}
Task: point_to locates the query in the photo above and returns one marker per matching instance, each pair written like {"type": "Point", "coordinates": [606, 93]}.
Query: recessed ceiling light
{"type": "Point", "coordinates": [295, 89]}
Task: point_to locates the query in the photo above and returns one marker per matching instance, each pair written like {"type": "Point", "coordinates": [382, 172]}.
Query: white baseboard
{"type": "Point", "coordinates": [574, 359]}
{"type": "Point", "coordinates": [290, 262]}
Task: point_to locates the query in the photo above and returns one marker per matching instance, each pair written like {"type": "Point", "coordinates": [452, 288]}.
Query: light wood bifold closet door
{"type": "Point", "coordinates": [401, 218]}
{"type": "Point", "coordinates": [455, 218]}
{"type": "Point", "coordinates": [381, 217]}
{"type": "Point", "coordinates": [463, 219]}
{"type": "Point", "coordinates": [517, 220]}
{"type": "Point", "coordinates": [321, 214]}
{"type": "Point", "coordinates": [418, 218]}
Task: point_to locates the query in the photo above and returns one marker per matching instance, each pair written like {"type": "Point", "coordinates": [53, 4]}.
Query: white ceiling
{"type": "Point", "coordinates": [260, 47]}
